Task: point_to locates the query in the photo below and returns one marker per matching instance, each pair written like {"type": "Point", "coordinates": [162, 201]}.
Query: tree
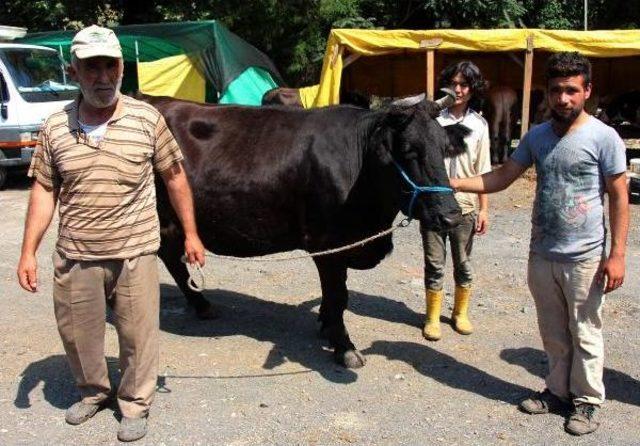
{"type": "Point", "coordinates": [293, 33]}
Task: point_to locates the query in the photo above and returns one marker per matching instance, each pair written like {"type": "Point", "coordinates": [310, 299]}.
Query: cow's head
{"type": "Point", "coordinates": [410, 138]}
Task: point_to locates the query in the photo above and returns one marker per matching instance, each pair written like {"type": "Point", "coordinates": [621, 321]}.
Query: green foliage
{"type": "Point", "coordinates": [473, 13]}
{"type": "Point", "coordinates": [293, 33]}
{"type": "Point", "coordinates": [42, 15]}
{"type": "Point", "coordinates": [555, 14]}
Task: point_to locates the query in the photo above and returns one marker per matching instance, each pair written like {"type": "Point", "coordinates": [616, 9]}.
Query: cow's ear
{"type": "Point", "coordinates": [455, 140]}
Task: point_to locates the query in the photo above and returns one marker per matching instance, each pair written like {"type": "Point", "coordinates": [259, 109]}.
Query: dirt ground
{"type": "Point", "coordinates": [260, 374]}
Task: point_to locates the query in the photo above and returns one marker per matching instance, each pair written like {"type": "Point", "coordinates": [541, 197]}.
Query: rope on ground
{"type": "Point", "coordinates": [200, 285]}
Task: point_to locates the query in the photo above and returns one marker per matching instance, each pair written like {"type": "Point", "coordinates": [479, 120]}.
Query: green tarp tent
{"type": "Point", "coordinates": [192, 60]}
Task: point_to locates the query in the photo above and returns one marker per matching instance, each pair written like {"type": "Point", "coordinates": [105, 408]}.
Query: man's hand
{"type": "Point", "coordinates": [27, 272]}
{"type": "Point", "coordinates": [612, 273]}
{"type": "Point", "coordinates": [194, 250]}
{"type": "Point", "coordinates": [482, 222]}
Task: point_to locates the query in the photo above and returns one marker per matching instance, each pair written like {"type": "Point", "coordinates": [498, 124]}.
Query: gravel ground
{"type": "Point", "coordinates": [260, 374]}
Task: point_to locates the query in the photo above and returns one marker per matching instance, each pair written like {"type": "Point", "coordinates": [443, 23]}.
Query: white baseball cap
{"type": "Point", "coordinates": [96, 41]}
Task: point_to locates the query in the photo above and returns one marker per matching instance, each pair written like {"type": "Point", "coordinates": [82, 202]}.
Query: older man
{"type": "Point", "coordinates": [96, 158]}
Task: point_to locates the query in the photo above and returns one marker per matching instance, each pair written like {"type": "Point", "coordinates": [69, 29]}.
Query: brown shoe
{"type": "Point", "coordinates": [542, 402]}
{"type": "Point", "coordinates": [582, 420]}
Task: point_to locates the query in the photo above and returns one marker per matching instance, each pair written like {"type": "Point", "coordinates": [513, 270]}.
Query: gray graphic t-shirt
{"type": "Point", "coordinates": [568, 212]}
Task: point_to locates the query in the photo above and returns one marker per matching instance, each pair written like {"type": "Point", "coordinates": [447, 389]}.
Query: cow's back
{"type": "Point", "coordinates": [265, 179]}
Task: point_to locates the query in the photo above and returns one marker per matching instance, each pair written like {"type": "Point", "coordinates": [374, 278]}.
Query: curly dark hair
{"type": "Point", "coordinates": [568, 64]}
{"type": "Point", "coordinates": [470, 72]}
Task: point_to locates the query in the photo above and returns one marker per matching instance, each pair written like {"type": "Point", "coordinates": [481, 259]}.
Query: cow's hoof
{"type": "Point", "coordinates": [207, 312]}
{"type": "Point", "coordinates": [352, 359]}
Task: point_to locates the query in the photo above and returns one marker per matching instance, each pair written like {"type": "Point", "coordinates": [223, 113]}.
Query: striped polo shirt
{"type": "Point", "coordinates": [107, 198]}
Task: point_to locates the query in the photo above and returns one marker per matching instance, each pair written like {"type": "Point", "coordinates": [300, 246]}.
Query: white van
{"type": "Point", "coordinates": [33, 84]}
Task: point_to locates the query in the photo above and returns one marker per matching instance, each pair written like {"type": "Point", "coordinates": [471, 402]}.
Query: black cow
{"type": "Point", "coordinates": [273, 179]}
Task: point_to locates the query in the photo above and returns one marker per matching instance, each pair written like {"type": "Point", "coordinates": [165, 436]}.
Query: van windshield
{"type": "Point", "coordinates": [38, 74]}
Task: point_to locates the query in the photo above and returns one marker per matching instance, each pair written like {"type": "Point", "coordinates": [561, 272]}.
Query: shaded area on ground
{"type": "Point", "coordinates": [448, 370]}
{"type": "Point", "coordinates": [619, 386]}
{"type": "Point", "coordinates": [58, 384]}
{"type": "Point", "coordinates": [292, 329]}
{"type": "Point", "coordinates": [289, 328]}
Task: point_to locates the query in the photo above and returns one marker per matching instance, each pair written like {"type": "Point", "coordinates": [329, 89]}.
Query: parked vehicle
{"type": "Point", "coordinates": [33, 84]}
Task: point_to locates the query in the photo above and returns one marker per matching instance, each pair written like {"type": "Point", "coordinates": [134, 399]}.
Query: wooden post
{"type": "Point", "coordinates": [526, 89]}
{"type": "Point", "coordinates": [351, 58]}
{"type": "Point", "coordinates": [431, 85]}
{"type": "Point", "coordinates": [430, 45]}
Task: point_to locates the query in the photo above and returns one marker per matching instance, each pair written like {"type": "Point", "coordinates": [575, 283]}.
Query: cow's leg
{"type": "Point", "coordinates": [333, 280]}
{"type": "Point", "coordinates": [495, 148]}
{"type": "Point", "coordinates": [171, 249]}
{"type": "Point", "coordinates": [507, 136]}
{"type": "Point", "coordinates": [496, 133]}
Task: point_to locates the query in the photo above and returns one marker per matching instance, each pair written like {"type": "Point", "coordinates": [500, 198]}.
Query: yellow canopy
{"type": "Point", "coordinates": [174, 76]}
{"type": "Point", "coordinates": [597, 44]}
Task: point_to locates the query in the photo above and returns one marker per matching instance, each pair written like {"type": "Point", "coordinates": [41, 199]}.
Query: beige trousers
{"type": "Point", "coordinates": [81, 291]}
{"type": "Point", "coordinates": [569, 305]}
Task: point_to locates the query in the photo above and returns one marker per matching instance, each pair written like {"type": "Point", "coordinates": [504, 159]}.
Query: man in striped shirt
{"type": "Point", "coordinates": [96, 159]}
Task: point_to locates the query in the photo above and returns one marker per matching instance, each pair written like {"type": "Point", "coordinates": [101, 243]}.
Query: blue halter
{"type": "Point", "coordinates": [417, 190]}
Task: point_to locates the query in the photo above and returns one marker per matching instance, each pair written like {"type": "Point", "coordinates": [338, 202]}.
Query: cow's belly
{"type": "Point", "coordinates": [248, 224]}
{"type": "Point", "coordinates": [243, 233]}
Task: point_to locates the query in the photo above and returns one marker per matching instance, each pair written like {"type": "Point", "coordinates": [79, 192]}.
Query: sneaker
{"type": "Point", "coordinates": [582, 420]}
{"type": "Point", "coordinates": [132, 429]}
{"type": "Point", "coordinates": [81, 412]}
{"type": "Point", "coordinates": [542, 402]}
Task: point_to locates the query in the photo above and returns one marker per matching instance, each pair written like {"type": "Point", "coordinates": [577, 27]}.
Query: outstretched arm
{"type": "Point", "coordinates": [490, 182]}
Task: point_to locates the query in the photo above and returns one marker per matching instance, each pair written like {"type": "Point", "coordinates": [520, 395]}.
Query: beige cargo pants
{"type": "Point", "coordinates": [569, 303]}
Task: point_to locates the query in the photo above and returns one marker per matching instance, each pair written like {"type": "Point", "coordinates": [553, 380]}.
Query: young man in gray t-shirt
{"type": "Point", "coordinates": [577, 160]}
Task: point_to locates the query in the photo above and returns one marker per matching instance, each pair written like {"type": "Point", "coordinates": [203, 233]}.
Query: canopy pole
{"type": "Point", "coordinates": [137, 62]}
{"type": "Point", "coordinates": [526, 89]}
{"type": "Point", "coordinates": [431, 46]}
{"type": "Point", "coordinates": [586, 10]}
{"type": "Point", "coordinates": [431, 86]}
{"type": "Point", "coordinates": [351, 58]}
{"type": "Point", "coordinates": [64, 69]}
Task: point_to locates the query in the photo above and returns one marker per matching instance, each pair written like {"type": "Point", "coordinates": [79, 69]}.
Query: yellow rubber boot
{"type": "Point", "coordinates": [460, 315]}
{"type": "Point", "coordinates": [431, 329]}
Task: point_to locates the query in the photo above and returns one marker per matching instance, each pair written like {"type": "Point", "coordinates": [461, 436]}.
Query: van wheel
{"type": "Point", "coordinates": [3, 177]}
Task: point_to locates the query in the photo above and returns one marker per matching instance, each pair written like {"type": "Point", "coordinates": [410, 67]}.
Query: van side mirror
{"type": "Point", "coordinates": [4, 111]}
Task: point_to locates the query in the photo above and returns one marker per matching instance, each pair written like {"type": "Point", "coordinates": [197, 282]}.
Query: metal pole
{"type": "Point", "coordinates": [586, 9]}
{"type": "Point", "coordinates": [64, 69]}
